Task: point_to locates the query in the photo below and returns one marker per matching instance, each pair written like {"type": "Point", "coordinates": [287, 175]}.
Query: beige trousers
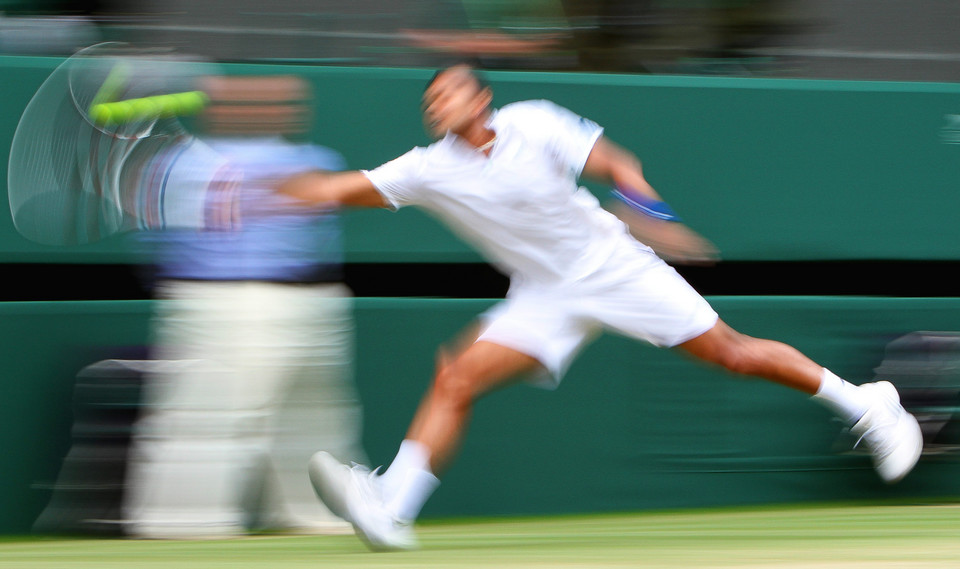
{"type": "Point", "coordinates": [251, 379]}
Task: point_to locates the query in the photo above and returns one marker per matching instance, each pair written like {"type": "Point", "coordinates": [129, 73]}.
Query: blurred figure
{"type": "Point", "coordinates": [704, 36]}
{"type": "Point", "coordinates": [252, 333]}
{"type": "Point", "coordinates": [615, 35]}
{"type": "Point", "coordinates": [506, 180]}
{"type": "Point", "coordinates": [49, 27]}
{"type": "Point", "coordinates": [46, 35]}
{"type": "Point", "coordinates": [528, 34]}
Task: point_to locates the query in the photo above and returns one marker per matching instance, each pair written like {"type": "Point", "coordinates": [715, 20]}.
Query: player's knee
{"type": "Point", "coordinates": [453, 386]}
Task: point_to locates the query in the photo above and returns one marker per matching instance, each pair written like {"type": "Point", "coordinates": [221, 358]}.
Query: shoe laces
{"type": "Point", "coordinates": [367, 481]}
{"type": "Point", "coordinates": [377, 522]}
{"type": "Point", "coordinates": [363, 469]}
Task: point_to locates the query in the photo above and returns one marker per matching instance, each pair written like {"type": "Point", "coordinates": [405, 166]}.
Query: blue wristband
{"type": "Point", "coordinates": [646, 206]}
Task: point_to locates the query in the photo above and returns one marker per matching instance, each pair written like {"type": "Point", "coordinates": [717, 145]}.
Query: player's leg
{"type": "Point", "coordinates": [650, 300]}
{"type": "Point", "coordinates": [873, 411]}
{"type": "Point", "coordinates": [739, 353]}
{"type": "Point", "coordinates": [441, 421]}
{"type": "Point", "coordinates": [442, 418]}
{"type": "Point", "coordinates": [383, 508]}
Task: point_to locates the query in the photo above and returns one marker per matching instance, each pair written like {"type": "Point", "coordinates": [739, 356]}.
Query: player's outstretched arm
{"type": "Point", "coordinates": [649, 218]}
{"type": "Point", "coordinates": [612, 164]}
{"type": "Point", "coordinates": [333, 189]}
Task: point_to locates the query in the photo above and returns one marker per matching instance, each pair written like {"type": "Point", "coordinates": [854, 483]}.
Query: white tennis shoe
{"type": "Point", "coordinates": [354, 494]}
{"type": "Point", "coordinates": [889, 432]}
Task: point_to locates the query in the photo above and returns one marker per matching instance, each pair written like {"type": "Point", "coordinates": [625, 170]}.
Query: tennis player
{"type": "Point", "coordinates": [506, 181]}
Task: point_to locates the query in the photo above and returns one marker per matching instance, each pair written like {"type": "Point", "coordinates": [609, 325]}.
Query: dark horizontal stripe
{"type": "Point", "coordinates": [50, 282]}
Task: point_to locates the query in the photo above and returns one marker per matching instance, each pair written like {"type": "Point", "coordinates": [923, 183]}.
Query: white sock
{"type": "Point", "coordinates": [842, 397]}
{"type": "Point", "coordinates": [408, 483]}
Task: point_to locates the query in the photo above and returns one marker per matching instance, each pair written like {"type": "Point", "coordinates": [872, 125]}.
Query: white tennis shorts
{"type": "Point", "coordinates": [636, 294]}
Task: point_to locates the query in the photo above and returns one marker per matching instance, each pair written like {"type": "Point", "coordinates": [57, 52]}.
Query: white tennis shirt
{"type": "Point", "coordinates": [521, 207]}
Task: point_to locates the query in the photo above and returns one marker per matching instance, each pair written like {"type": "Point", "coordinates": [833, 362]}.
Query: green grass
{"type": "Point", "coordinates": [821, 537]}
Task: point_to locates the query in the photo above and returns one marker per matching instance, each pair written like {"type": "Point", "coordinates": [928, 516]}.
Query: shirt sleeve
{"type": "Point", "coordinates": [399, 180]}
{"type": "Point", "coordinates": [572, 137]}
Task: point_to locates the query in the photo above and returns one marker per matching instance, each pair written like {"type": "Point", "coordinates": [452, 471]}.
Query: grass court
{"type": "Point", "coordinates": [910, 536]}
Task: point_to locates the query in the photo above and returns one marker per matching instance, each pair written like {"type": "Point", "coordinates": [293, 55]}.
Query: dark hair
{"type": "Point", "coordinates": [470, 65]}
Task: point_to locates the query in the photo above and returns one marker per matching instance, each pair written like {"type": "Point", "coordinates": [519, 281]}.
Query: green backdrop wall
{"type": "Point", "coordinates": [631, 427]}
{"type": "Point", "coordinates": [768, 169]}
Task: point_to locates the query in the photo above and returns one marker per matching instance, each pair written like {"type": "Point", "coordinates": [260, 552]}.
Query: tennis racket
{"type": "Point", "coordinates": [91, 129]}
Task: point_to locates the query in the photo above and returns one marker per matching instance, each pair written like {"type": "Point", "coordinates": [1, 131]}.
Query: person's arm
{"type": "Point", "coordinates": [614, 165]}
{"type": "Point", "coordinates": [333, 188]}
{"type": "Point", "coordinates": [648, 217]}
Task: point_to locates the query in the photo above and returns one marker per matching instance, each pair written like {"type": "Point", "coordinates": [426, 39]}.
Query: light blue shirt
{"type": "Point", "coordinates": [276, 241]}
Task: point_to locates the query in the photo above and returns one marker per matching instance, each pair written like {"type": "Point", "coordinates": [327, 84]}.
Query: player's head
{"type": "Point", "coordinates": [256, 105]}
{"type": "Point", "coordinates": [455, 100]}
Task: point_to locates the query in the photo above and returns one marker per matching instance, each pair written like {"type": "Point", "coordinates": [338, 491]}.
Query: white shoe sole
{"type": "Point", "coordinates": [329, 478]}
